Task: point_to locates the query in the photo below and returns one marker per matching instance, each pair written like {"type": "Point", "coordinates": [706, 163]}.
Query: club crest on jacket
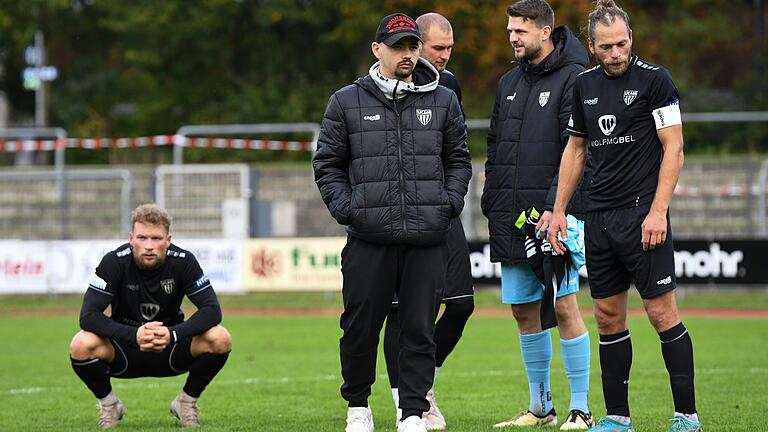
{"type": "Point", "coordinates": [543, 98]}
{"type": "Point", "coordinates": [424, 116]}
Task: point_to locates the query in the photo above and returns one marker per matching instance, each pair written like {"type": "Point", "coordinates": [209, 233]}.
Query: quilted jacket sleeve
{"type": "Point", "coordinates": [456, 159]}
{"type": "Point", "coordinates": [331, 161]}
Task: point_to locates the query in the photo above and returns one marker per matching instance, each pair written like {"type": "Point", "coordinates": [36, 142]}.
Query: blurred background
{"type": "Point", "coordinates": [228, 95]}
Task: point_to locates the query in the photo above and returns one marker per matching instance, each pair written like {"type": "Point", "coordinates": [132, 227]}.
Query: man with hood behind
{"type": "Point", "coordinates": [525, 141]}
{"type": "Point", "coordinates": [392, 165]}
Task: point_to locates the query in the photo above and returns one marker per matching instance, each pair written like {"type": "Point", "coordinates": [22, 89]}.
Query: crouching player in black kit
{"type": "Point", "coordinates": [144, 282]}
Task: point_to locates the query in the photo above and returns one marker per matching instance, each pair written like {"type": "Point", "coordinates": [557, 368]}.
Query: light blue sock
{"type": "Point", "coordinates": [576, 356]}
{"type": "Point", "coordinates": [537, 354]}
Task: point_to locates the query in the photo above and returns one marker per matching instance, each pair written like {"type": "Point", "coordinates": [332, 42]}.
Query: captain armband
{"type": "Point", "coordinates": [668, 115]}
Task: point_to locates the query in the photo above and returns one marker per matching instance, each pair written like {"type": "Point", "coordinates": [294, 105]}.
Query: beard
{"type": "Point", "coordinates": [529, 53]}
{"type": "Point", "coordinates": [143, 264]}
{"type": "Point", "coordinates": [615, 68]}
{"type": "Point", "coordinates": [403, 73]}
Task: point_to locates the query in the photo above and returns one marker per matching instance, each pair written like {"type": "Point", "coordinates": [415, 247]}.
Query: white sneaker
{"type": "Point", "coordinates": [433, 419]}
{"type": "Point", "coordinates": [398, 416]}
{"type": "Point", "coordinates": [412, 424]}
{"type": "Point", "coordinates": [359, 419]}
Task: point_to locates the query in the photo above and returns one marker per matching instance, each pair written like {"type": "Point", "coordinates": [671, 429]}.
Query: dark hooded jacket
{"type": "Point", "coordinates": [525, 141]}
{"type": "Point", "coordinates": [394, 171]}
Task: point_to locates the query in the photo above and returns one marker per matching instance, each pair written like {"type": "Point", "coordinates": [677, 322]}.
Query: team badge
{"type": "Point", "coordinates": [543, 98]}
{"type": "Point", "coordinates": [629, 96]}
{"type": "Point", "coordinates": [424, 116]}
{"type": "Point", "coordinates": [149, 310]}
{"type": "Point", "coordinates": [607, 123]}
{"type": "Point", "coordinates": [167, 285]}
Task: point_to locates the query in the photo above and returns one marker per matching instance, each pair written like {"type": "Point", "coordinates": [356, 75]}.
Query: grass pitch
{"type": "Point", "coordinates": [283, 374]}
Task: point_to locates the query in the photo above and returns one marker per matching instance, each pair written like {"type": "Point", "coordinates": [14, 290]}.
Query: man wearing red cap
{"type": "Point", "coordinates": [458, 292]}
{"type": "Point", "coordinates": [392, 165]}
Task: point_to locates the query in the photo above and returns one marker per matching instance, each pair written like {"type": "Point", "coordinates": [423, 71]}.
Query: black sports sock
{"type": "Point", "coordinates": [201, 372]}
{"type": "Point", "coordinates": [407, 413]}
{"type": "Point", "coordinates": [95, 374]}
{"type": "Point", "coordinates": [449, 328]}
{"type": "Point", "coordinates": [677, 349]}
{"type": "Point", "coordinates": [358, 404]}
{"type": "Point", "coordinates": [615, 362]}
{"type": "Point", "coordinates": [392, 347]}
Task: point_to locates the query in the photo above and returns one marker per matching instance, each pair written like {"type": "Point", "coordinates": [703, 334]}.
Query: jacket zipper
{"type": "Point", "coordinates": [517, 159]}
{"type": "Point", "coordinates": [400, 171]}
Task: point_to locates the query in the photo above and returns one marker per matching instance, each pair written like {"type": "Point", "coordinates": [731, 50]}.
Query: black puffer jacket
{"type": "Point", "coordinates": [525, 142]}
{"type": "Point", "coordinates": [394, 171]}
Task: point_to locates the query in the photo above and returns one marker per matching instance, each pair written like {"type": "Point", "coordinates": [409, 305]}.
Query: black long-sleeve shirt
{"type": "Point", "coordinates": [139, 296]}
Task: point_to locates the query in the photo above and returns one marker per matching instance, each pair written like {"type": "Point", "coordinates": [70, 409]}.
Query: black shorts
{"type": "Point", "coordinates": [458, 276]}
{"type": "Point", "coordinates": [615, 255]}
{"type": "Point", "coordinates": [131, 362]}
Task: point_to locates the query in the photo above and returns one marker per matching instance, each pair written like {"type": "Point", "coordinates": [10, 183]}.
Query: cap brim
{"type": "Point", "coordinates": [397, 36]}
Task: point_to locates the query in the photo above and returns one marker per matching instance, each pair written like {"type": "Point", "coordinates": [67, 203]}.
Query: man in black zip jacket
{"type": "Point", "coordinates": [525, 141]}
{"type": "Point", "coordinates": [458, 294]}
{"type": "Point", "coordinates": [144, 282]}
{"type": "Point", "coordinates": [392, 165]}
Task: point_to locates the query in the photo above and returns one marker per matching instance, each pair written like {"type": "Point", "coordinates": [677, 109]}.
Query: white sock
{"type": "Point", "coordinates": [109, 399]}
{"type": "Point", "coordinates": [621, 419]}
{"type": "Point", "coordinates": [396, 397]}
{"type": "Point", "coordinates": [692, 417]}
{"type": "Point", "coordinates": [437, 369]}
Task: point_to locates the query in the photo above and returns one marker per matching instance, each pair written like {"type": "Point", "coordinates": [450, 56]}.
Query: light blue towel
{"type": "Point", "coordinates": [575, 242]}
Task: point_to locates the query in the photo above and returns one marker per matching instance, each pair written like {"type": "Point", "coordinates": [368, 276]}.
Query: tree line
{"type": "Point", "coordinates": [147, 67]}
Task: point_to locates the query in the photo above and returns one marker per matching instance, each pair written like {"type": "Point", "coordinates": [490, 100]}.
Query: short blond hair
{"type": "Point", "coordinates": [151, 214]}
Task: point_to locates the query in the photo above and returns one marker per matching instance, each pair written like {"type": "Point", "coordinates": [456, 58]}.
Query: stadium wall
{"type": "Point", "coordinates": [313, 264]}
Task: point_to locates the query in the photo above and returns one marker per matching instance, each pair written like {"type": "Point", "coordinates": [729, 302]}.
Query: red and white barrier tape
{"type": "Point", "coordinates": [157, 140]}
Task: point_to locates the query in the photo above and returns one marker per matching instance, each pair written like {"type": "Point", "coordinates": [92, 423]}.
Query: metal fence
{"type": "Point", "coordinates": [85, 204]}
{"type": "Point", "coordinates": [714, 199]}
{"type": "Point", "coordinates": [206, 200]}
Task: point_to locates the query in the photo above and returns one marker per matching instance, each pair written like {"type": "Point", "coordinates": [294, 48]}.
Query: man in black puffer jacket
{"type": "Point", "coordinates": [392, 165]}
{"type": "Point", "coordinates": [525, 142]}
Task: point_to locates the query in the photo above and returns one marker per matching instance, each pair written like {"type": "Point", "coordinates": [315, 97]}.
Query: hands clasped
{"type": "Point", "coordinates": [153, 336]}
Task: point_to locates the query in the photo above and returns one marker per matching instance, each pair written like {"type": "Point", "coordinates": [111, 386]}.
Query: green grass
{"type": "Point", "coordinates": [484, 298]}
{"type": "Point", "coordinates": [283, 374]}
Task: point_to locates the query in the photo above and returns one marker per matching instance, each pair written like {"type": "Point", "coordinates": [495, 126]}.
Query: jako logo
{"type": "Point", "coordinates": [666, 281]}
{"type": "Point", "coordinates": [372, 117]}
{"type": "Point", "coordinates": [711, 263]}
{"type": "Point", "coordinates": [482, 267]}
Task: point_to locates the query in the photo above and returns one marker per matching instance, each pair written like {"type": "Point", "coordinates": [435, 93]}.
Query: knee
{"type": "Point", "coordinates": [527, 317]}
{"type": "Point", "coordinates": [84, 345]}
{"type": "Point", "coordinates": [219, 339]}
{"type": "Point", "coordinates": [567, 310]}
{"type": "Point", "coordinates": [662, 319]}
{"type": "Point", "coordinates": [610, 321]}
